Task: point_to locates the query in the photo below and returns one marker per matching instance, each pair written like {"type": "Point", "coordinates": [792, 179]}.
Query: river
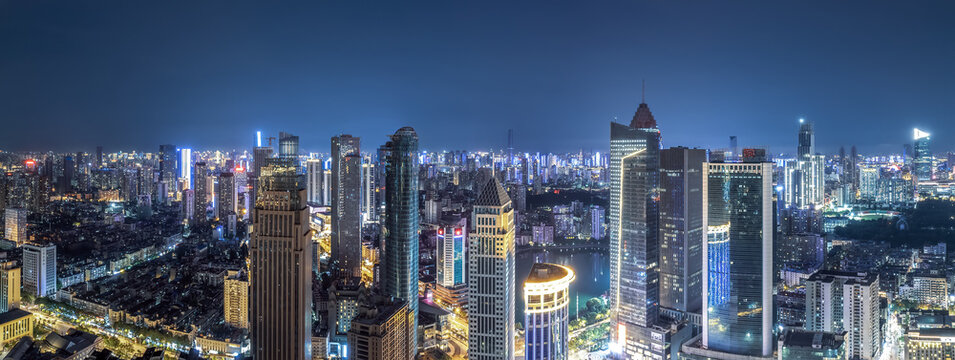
{"type": "Point", "coordinates": [592, 271]}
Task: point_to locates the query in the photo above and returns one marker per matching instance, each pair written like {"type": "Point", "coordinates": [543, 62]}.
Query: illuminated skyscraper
{"type": "Point", "coordinates": [491, 276]}
{"type": "Point", "coordinates": [10, 281]}
{"type": "Point", "coordinates": [281, 273]}
{"type": "Point", "coordinates": [39, 269]}
{"type": "Point", "coordinates": [738, 257]}
{"type": "Point", "coordinates": [185, 168]}
{"type": "Point", "coordinates": [288, 145]}
{"type": "Point", "coordinates": [260, 156]}
{"type": "Point", "coordinates": [315, 171]}
{"type": "Point", "coordinates": [923, 157]}
{"type": "Point", "coordinates": [681, 228]}
{"type": "Point", "coordinates": [546, 312]}
{"type": "Point", "coordinates": [235, 299]}
{"type": "Point", "coordinates": [400, 274]}
{"type": "Point", "coordinates": [369, 207]}
{"type": "Point", "coordinates": [634, 237]}
{"type": "Point", "coordinates": [346, 205]}
{"type": "Point", "coordinates": [804, 178]}
{"type": "Point", "coordinates": [16, 225]}
{"type": "Point", "coordinates": [452, 245]}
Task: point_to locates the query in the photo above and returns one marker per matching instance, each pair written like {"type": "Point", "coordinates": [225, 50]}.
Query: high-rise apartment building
{"type": "Point", "coordinates": [39, 270]}
{"type": "Point", "coordinates": [225, 196]}
{"type": "Point", "coordinates": [346, 205]}
{"type": "Point", "coordinates": [634, 237]}
{"type": "Point", "coordinates": [235, 299]}
{"type": "Point", "coordinates": [681, 228]}
{"type": "Point", "coordinates": [281, 273]}
{"type": "Point", "coordinates": [369, 207]}
{"type": "Point", "coordinates": [201, 194]}
{"type": "Point", "coordinates": [738, 256]}
{"type": "Point", "coordinates": [491, 275]}
{"type": "Point", "coordinates": [315, 170]}
{"type": "Point", "coordinates": [546, 312]}
{"type": "Point", "coordinates": [846, 301]}
{"type": "Point", "coordinates": [10, 280]}
{"type": "Point", "coordinates": [16, 225]}
{"type": "Point", "coordinates": [400, 274]}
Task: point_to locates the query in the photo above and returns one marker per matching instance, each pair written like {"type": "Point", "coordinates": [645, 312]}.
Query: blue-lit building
{"type": "Point", "coordinates": [451, 249]}
{"type": "Point", "coordinates": [738, 278]}
{"type": "Point", "coordinates": [400, 270]}
{"type": "Point", "coordinates": [546, 312]}
{"type": "Point", "coordinates": [923, 158]}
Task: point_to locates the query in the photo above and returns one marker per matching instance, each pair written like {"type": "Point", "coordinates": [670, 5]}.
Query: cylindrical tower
{"type": "Point", "coordinates": [546, 312]}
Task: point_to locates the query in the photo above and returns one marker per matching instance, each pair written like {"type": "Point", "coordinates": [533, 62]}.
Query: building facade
{"type": "Point", "coordinates": [681, 228]}
{"type": "Point", "coordinates": [280, 249]}
{"type": "Point", "coordinates": [39, 270]}
{"type": "Point", "coordinates": [491, 272]}
{"type": "Point", "coordinates": [546, 312]}
{"type": "Point", "coordinates": [235, 299]}
{"type": "Point", "coordinates": [839, 301]}
{"type": "Point", "coordinates": [346, 205]}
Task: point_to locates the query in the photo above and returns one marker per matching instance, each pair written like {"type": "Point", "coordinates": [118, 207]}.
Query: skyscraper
{"type": "Point", "coordinates": [546, 312]}
{"type": "Point", "coordinates": [738, 258]}
{"type": "Point", "coordinates": [167, 167]}
{"type": "Point", "coordinates": [260, 155]}
{"type": "Point", "coordinates": [451, 252]}
{"type": "Point", "coordinates": [923, 158]}
{"type": "Point", "coordinates": [16, 225]}
{"type": "Point", "coordinates": [288, 145]}
{"type": "Point", "coordinates": [225, 196]}
{"type": "Point", "coordinates": [202, 195]}
{"type": "Point", "coordinates": [235, 299]}
{"type": "Point", "coordinates": [369, 207]}
{"type": "Point", "coordinates": [804, 178]}
{"type": "Point", "coordinates": [491, 275]}
{"type": "Point", "coordinates": [99, 157]}
{"type": "Point", "coordinates": [634, 237]}
{"type": "Point", "coordinates": [39, 269]}
{"type": "Point", "coordinates": [681, 228]}
{"type": "Point", "coordinates": [315, 171]}
{"type": "Point", "coordinates": [185, 168]}
{"type": "Point", "coordinates": [346, 205]}
{"type": "Point", "coordinates": [10, 275]}
{"type": "Point", "coordinates": [281, 273]}
{"type": "Point", "coordinates": [400, 274]}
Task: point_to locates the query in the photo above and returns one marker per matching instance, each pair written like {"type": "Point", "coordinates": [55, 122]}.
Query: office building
{"type": "Point", "coordinates": [16, 225]}
{"type": "Point", "coordinates": [201, 195]}
{"type": "Point", "coordinates": [260, 155]}
{"type": "Point", "coordinates": [634, 237]}
{"type": "Point", "coordinates": [451, 251]}
{"type": "Point", "coordinates": [923, 158]}
{"type": "Point", "coordinates": [738, 266]}
{"type": "Point", "coordinates": [491, 275]}
{"type": "Point", "coordinates": [369, 207]}
{"type": "Point", "coordinates": [382, 331]}
{"type": "Point", "coordinates": [185, 168]}
{"type": "Point", "coordinates": [280, 249]}
{"type": "Point", "coordinates": [235, 302]}
{"type": "Point", "coordinates": [10, 280]}
{"type": "Point", "coordinates": [167, 168]}
{"type": "Point", "coordinates": [804, 177]}
{"type": "Point", "coordinates": [288, 146]}
{"type": "Point", "coordinates": [315, 170]}
{"type": "Point", "coordinates": [681, 228]}
{"type": "Point", "coordinates": [546, 312]}
{"type": "Point", "coordinates": [346, 205]}
{"type": "Point", "coordinates": [39, 270]}
{"type": "Point", "coordinates": [400, 274]}
{"type": "Point", "coordinates": [839, 301]}
{"type": "Point", "coordinates": [225, 196]}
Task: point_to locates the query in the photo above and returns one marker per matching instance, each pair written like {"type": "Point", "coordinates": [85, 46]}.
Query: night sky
{"type": "Point", "coordinates": [130, 75]}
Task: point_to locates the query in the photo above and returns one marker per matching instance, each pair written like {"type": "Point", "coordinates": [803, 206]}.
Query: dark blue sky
{"type": "Point", "coordinates": [134, 74]}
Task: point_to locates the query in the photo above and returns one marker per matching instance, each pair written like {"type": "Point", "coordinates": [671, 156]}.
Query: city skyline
{"type": "Point", "coordinates": [424, 64]}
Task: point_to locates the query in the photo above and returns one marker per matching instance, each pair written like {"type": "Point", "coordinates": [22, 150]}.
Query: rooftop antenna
{"type": "Point", "coordinates": [643, 93]}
